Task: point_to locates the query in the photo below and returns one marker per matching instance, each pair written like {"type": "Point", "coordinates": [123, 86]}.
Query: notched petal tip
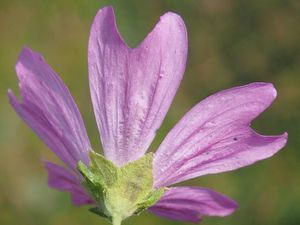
{"type": "Point", "coordinates": [266, 89]}
{"type": "Point", "coordinates": [222, 120]}
{"type": "Point", "coordinates": [172, 17]}
{"type": "Point", "coordinates": [284, 138]}
{"type": "Point", "coordinates": [285, 135]}
{"type": "Point", "coordinates": [281, 142]}
{"type": "Point", "coordinates": [173, 23]}
{"type": "Point", "coordinates": [105, 12]}
{"type": "Point", "coordinates": [270, 88]}
{"type": "Point", "coordinates": [176, 19]}
{"type": "Point", "coordinates": [105, 27]}
{"type": "Point", "coordinates": [133, 88]}
{"type": "Point", "coordinates": [106, 9]}
{"type": "Point", "coordinates": [277, 142]}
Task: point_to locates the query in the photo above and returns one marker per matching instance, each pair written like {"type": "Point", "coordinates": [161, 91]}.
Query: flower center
{"type": "Point", "coordinates": [119, 192]}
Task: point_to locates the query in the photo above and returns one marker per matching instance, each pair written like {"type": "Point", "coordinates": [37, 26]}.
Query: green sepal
{"type": "Point", "coordinates": [119, 192]}
{"type": "Point", "coordinates": [91, 182]}
{"type": "Point", "coordinates": [98, 212]}
{"type": "Point", "coordinates": [151, 199]}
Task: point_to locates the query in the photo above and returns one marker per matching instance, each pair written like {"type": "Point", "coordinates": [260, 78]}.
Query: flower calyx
{"type": "Point", "coordinates": [119, 192]}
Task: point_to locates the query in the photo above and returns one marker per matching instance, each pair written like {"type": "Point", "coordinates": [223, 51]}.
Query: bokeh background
{"type": "Point", "coordinates": [231, 42]}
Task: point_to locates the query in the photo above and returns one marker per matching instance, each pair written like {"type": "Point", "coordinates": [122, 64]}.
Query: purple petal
{"type": "Point", "coordinates": [191, 203]}
{"type": "Point", "coordinates": [215, 136]}
{"type": "Point", "coordinates": [132, 89]}
{"type": "Point", "coordinates": [64, 180]}
{"type": "Point", "coordinates": [49, 109]}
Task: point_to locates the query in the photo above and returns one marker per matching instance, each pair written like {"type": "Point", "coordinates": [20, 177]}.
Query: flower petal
{"type": "Point", "coordinates": [64, 180]}
{"type": "Point", "coordinates": [132, 89]}
{"type": "Point", "coordinates": [49, 109]}
{"type": "Point", "coordinates": [191, 203]}
{"type": "Point", "coordinates": [215, 136]}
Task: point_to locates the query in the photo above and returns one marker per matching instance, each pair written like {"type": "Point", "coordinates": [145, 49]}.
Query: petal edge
{"type": "Point", "coordinates": [192, 203]}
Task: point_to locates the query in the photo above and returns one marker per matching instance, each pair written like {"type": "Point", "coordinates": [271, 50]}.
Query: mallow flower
{"type": "Point", "coordinates": [131, 91]}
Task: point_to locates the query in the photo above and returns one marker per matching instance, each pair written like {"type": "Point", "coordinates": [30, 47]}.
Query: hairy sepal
{"type": "Point", "coordinates": [120, 191]}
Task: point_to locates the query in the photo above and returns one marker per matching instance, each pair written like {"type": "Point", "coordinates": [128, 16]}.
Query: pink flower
{"type": "Point", "coordinates": [132, 90]}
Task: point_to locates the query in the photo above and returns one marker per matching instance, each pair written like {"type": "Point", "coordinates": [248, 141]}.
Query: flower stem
{"type": "Point", "coordinates": [116, 220]}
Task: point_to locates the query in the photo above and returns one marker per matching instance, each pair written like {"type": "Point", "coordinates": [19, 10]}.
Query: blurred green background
{"type": "Point", "coordinates": [231, 42]}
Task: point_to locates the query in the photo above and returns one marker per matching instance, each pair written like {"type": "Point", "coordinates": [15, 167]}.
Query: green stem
{"type": "Point", "coordinates": [116, 220]}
